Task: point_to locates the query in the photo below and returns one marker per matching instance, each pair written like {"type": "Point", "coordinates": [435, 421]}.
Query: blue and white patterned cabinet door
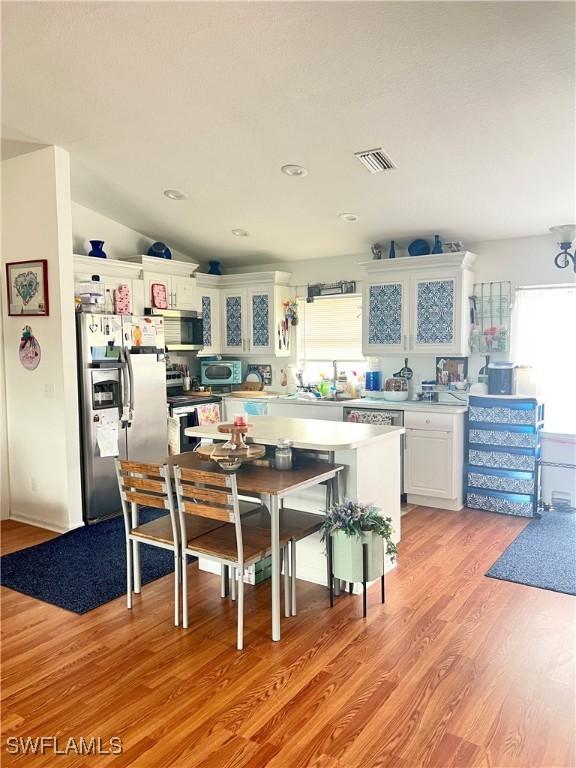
{"type": "Point", "coordinates": [385, 314]}
{"type": "Point", "coordinates": [233, 321]}
{"type": "Point", "coordinates": [207, 320]}
{"type": "Point", "coordinates": [260, 320]}
{"type": "Point", "coordinates": [435, 312]}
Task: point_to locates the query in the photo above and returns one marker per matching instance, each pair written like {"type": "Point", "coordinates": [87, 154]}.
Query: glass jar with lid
{"type": "Point", "coordinates": [283, 454]}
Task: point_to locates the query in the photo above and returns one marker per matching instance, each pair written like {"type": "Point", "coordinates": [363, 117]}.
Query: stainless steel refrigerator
{"type": "Point", "coordinates": [122, 384]}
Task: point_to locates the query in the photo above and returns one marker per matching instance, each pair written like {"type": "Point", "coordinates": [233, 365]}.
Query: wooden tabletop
{"type": "Point", "coordinates": [262, 480]}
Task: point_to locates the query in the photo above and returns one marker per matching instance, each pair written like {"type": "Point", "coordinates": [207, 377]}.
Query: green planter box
{"type": "Point", "coordinates": [347, 556]}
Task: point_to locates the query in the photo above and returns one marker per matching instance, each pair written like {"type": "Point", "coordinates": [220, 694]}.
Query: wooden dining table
{"type": "Point", "coordinates": [272, 486]}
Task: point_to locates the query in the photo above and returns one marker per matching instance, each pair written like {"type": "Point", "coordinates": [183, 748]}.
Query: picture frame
{"type": "Point", "coordinates": [27, 288]}
{"type": "Point", "coordinates": [451, 370]}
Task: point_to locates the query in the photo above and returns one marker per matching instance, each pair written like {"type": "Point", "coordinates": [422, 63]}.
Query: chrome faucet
{"type": "Point", "coordinates": [335, 374]}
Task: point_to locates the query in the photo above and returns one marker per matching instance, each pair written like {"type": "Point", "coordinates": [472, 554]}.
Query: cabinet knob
{"type": "Point", "coordinates": [427, 421]}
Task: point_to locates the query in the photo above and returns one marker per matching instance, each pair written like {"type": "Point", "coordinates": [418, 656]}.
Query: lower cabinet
{"type": "Point", "coordinates": [428, 463]}
{"type": "Point", "coordinates": [433, 459]}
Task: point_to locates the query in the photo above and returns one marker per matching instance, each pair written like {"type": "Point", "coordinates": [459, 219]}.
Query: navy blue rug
{"type": "Point", "coordinates": [543, 555]}
{"type": "Point", "coordinates": [84, 568]}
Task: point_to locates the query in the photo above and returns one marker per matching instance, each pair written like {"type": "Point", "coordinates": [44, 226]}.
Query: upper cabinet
{"type": "Point", "coordinates": [209, 295]}
{"type": "Point", "coordinates": [252, 315]}
{"type": "Point", "coordinates": [111, 274]}
{"type": "Point", "coordinates": [417, 305]}
{"type": "Point", "coordinates": [168, 284]}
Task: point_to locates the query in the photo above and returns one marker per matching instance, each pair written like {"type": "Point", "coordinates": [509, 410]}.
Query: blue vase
{"type": "Point", "coordinates": [392, 251]}
{"type": "Point", "coordinates": [437, 247]}
{"type": "Point", "coordinates": [160, 250]}
{"type": "Point", "coordinates": [214, 268]}
{"type": "Point", "coordinates": [97, 246]}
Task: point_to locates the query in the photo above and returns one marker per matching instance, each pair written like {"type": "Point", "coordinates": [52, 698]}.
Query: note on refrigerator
{"type": "Point", "coordinates": [107, 435]}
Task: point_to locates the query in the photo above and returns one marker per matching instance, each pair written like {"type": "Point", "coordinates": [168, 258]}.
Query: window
{"type": "Point", "coordinates": [544, 322]}
{"type": "Point", "coordinates": [330, 329]}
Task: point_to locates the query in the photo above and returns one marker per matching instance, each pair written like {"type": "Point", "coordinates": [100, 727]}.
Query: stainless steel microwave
{"type": "Point", "coordinates": [220, 372]}
{"type": "Point", "coordinates": [183, 329]}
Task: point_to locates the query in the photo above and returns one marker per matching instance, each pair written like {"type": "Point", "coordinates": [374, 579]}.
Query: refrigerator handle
{"type": "Point", "coordinates": [131, 380]}
{"type": "Point", "coordinates": [125, 415]}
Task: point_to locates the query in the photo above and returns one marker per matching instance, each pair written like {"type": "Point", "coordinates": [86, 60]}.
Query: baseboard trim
{"type": "Point", "coordinates": [27, 520]}
{"type": "Point", "coordinates": [454, 505]}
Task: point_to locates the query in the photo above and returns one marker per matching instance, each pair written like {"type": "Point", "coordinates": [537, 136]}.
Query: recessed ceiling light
{"type": "Point", "coordinates": [294, 170]}
{"type": "Point", "coordinates": [174, 194]}
{"type": "Point", "coordinates": [350, 217]}
{"type": "Point", "coordinates": [240, 232]}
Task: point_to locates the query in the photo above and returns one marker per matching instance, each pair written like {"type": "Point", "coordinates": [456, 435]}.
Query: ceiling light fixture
{"type": "Point", "coordinates": [294, 170]}
{"type": "Point", "coordinates": [349, 217]}
{"type": "Point", "coordinates": [174, 194]}
{"type": "Point", "coordinates": [240, 232]}
{"type": "Point", "coordinates": [566, 233]}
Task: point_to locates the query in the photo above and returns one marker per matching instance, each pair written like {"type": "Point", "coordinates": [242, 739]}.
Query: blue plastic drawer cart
{"type": "Point", "coordinates": [502, 469]}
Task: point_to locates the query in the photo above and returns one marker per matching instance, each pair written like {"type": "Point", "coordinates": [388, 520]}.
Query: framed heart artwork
{"type": "Point", "coordinates": [27, 284]}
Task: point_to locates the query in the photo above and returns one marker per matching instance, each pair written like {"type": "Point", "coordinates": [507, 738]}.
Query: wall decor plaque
{"type": "Point", "coordinates": [27, 286]}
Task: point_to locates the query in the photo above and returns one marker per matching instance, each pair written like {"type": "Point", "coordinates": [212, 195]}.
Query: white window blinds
{"type": "Point", "coordinates": [331, 329]}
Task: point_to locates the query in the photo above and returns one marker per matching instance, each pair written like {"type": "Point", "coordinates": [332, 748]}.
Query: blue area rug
{"type": "Point", "coordinates": [84, 568]}
{"type": "Point", "coordinates": [543, 555]}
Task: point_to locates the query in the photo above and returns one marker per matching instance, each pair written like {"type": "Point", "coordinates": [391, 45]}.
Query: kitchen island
{"type": "Point", "coordinates": [370, 455]}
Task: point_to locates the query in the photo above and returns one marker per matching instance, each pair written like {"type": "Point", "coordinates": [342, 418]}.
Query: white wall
{"type": "Point", "coordinates": [523, 261]}
{"type": "Point", "coordinates": [42, 405]}
{"type": "Point", "coordinates": [119, 241]}
{"type": "Point", "coordinates": [4, 474]}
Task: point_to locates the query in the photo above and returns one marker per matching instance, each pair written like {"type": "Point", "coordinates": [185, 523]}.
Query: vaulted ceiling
{"type": "Point", "coordinates": [473, 101]}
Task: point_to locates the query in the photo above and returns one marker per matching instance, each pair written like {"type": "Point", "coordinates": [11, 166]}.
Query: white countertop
{"type": "Point", "coordinates": [405, 405]}
{"type": "Point", "coordinates": [306, 433]}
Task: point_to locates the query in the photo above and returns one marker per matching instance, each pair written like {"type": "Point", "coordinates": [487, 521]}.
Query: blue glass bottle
{"type": "Point", "coordinates": [437, 247]}
{"type": "Point", "coordinates": [392, 251]}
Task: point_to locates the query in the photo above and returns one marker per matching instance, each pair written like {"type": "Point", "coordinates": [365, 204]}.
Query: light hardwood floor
{"type": "Point", "coordinates": [455, 670]}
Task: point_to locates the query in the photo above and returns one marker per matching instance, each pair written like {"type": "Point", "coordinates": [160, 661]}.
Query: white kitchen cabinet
{"type": "Point", "coordinates": [209, 295]}
{"type": "Point", "coordinates": [111, 274]}
{"type": "Point", "coordinates": [252, 314]}
{"type": "Point", "coordinates": [418, 305]}
{"type": "Point", "coordinates": [385, 317]}
{"type": "Point", "coordinates": [177, 278]}
{"type": "Point", "coordinates": [258, 406]}
{"type": "Point", "coordinates": [185, 293]}
{"type": "Point", "coordinates": [428, 465]}
{"type": "Point", "coordinates": [234, 325]}
{"type": "Point", "coordinates": [434, 459]}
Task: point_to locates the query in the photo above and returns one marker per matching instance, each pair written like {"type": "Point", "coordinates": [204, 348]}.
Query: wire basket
{"type": "Point", "coordinates": [490, 312]}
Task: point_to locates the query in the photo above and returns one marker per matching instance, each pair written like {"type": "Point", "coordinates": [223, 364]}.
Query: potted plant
{"type": "Point", "coordinates": [351, 525]}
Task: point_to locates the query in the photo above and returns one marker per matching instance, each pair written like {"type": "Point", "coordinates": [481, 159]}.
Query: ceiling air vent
{"type": "Point", "coordinates": [375, 160]}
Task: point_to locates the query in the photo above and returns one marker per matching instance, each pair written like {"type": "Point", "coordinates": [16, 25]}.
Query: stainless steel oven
{"type": "Point", "coordinates": [182, 417]}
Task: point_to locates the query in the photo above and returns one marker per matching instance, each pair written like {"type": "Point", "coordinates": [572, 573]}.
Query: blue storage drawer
{"type": "Point", "coordinates": [506, 480]}
{"type": "Point", "coordinates": [503, 414]}
{"type": "Point", "coordinates": [513, 436]}
{"type": "Point", "coordinates": [521, 505]}
{"type": "Point", "coordinates": [520, 458]}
